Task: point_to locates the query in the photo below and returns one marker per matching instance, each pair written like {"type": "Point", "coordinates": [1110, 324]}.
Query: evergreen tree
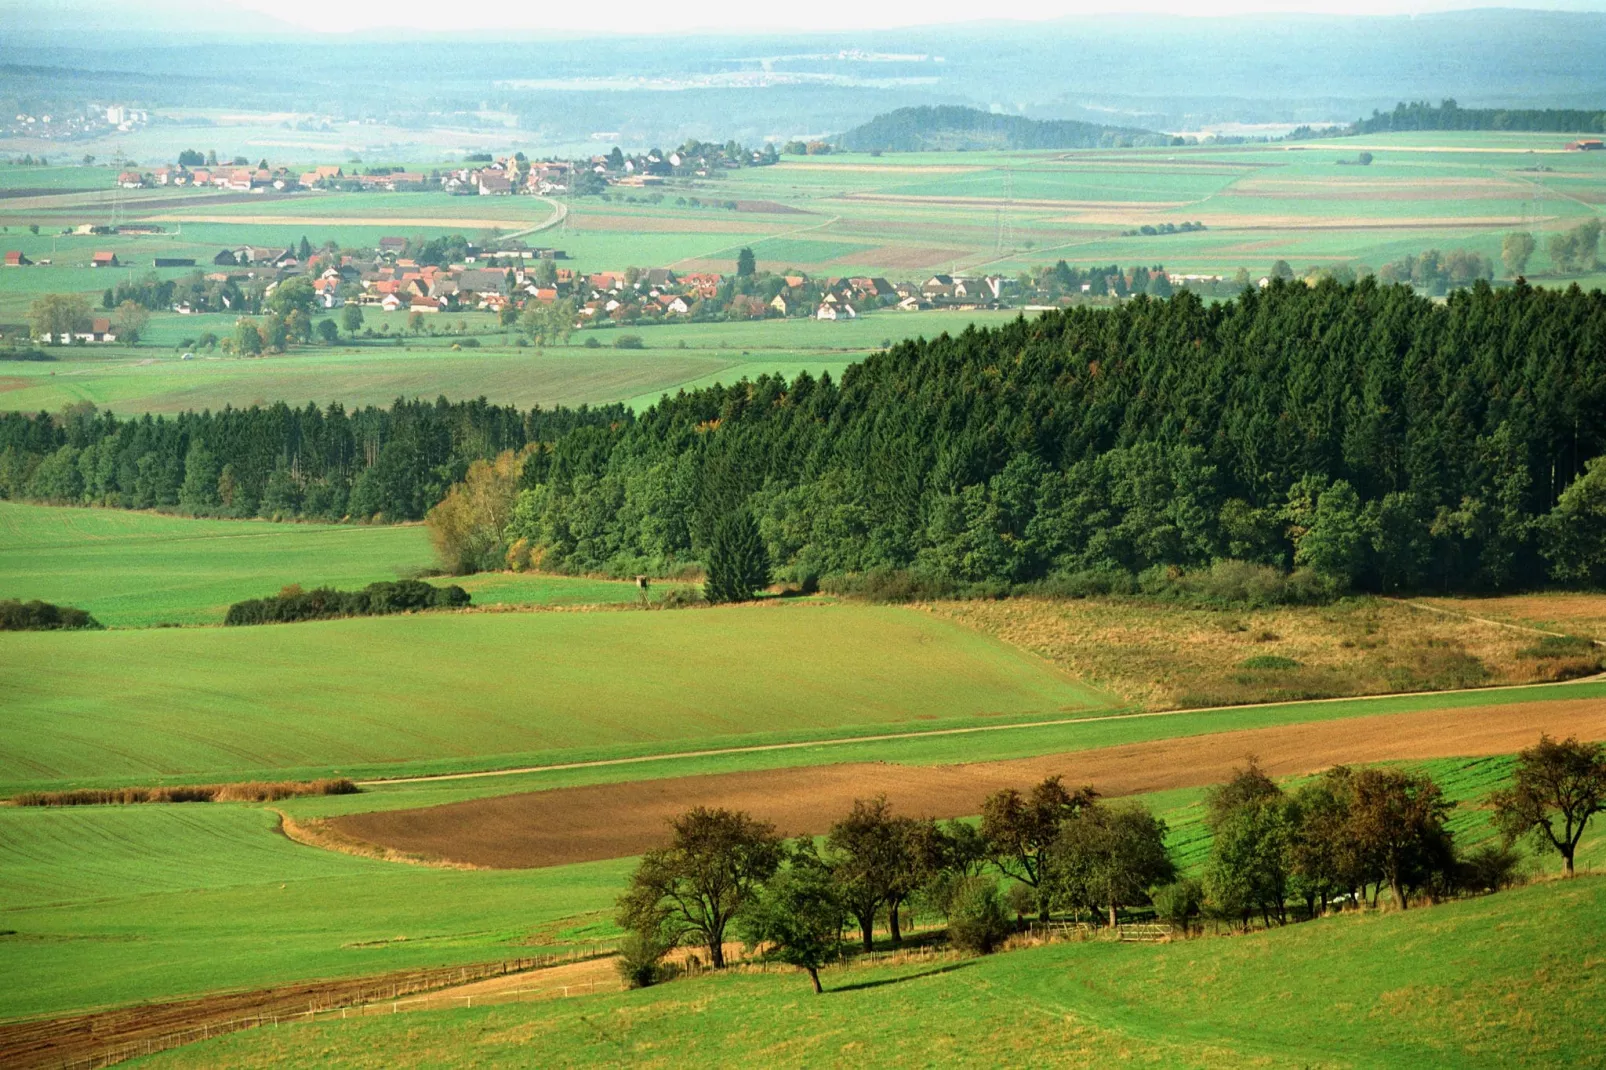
{"type": "Point", "coordinates": [746, 263]}
{"type": "Point", "coordinates": [738, 565]}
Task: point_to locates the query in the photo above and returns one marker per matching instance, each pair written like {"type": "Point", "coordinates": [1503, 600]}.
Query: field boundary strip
{"type": "Point", "coordinates": [102, 1038]}
{"type": "Point", "coordinates": [1525, 628]}
{"type": "Point", "coordinates": [842, 741]}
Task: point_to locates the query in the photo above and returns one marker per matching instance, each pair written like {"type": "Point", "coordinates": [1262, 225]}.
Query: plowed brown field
{"type": "Point", "coordinates": [617, 820]}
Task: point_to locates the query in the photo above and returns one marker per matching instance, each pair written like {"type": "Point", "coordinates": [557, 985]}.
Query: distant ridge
{"type": "Point", "coordinates": [952, 128]}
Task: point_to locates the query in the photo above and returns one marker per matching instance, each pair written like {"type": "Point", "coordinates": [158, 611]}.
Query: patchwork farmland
{"type": "Point", "coordinates": [513, 760]}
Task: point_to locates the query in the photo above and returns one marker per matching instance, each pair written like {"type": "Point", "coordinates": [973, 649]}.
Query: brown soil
{"type": "Point", "coordinates": [604, 821]}
{"type": "Point", "coordinates": [903, 256]}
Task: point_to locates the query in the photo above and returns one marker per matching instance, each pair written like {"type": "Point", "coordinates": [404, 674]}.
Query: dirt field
{"type": "Point", "coordinates": [618, 820]}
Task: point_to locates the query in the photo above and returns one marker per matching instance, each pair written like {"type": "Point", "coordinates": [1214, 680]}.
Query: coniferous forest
{"type": "Point", "coordinates": [1378, 439]}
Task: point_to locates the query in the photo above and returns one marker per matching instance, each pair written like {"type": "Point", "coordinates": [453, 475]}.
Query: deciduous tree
{"type": "Point", "coordinates": [1556, 789]}
{"type": "Point", "coordinates": [694, 888]}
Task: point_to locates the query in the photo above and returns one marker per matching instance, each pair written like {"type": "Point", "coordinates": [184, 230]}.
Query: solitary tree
{"type": "Point", "coordinates": [1515, 250]}
{"type": "Point", "coordinates": [1556, 789]}
{"type": "Point", "coordinates": [351, 317]}
{"type": "Point", "coordinates": [1020, 828]}
{"type": "Point", "coordinates": [746, 262]}
{"type": "Point", "coordinates": [738, 565]}
{"type": "Point", "coordinates": [131, 320]}
{"type": "Point", "coordinates": [328, 333]}
{"type": "Point", "coordinates": [798, 915]}
{"type": "Point", "coordinates": [54, 315]}
{"type": "Point", "coordinates": [696, 886]}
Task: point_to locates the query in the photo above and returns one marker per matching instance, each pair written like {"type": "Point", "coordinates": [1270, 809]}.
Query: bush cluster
{"type": "Point", "coordinates": [39, 616]}
{"type": "Point", "coordinates": [249, 791]}
{"type": "Point", "coordinates": [377, 599]}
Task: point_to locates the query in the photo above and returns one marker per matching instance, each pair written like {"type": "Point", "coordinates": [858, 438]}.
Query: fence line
{"type": "Point", "coordinates": [343, 1003]}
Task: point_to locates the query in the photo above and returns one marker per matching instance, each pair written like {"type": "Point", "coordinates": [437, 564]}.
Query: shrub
{"type": "Point", "coordinates": [39, 616]}
{"type": "Point", "coordinates": [1268, 661]}
{"type": "Point", "coordinates": [628, 341]}
{"type": "Point", "coordinates": [1178, 902]}
{"type": "Point", "coordinates": [249, 791]}
{"type": "Point", "coordinates": [976, 918]}
{"type": "Point", "coordinates": [1557, 646]}
{"type": "Point", "coordinates": [1491, 868]}
{"type": "Point", "coordinates": [377, 599]}
{"type": "Point", "coordinates": [593, 343]}
{"type": "Point", "coordinates": [640, 961]}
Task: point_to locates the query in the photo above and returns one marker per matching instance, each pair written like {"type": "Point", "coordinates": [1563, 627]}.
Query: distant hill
{"type": "Point", "coordinates": [952, 128]}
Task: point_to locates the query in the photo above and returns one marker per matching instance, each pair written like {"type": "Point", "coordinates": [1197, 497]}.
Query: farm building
{"type": "Point", "coordinates": [14, 258]}
{"type": "Point", "coordinates": [104, 259]}
{"type": "Point", "coordinates": [1586, 145]}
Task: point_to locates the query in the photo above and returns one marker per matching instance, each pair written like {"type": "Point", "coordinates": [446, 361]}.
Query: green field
{"type": "Point", "coordinates": [155, 378]}
{"type": "Point", "coordinates": [149, 902]}
{"type": "Point", "coordinates": [453, 687]}
{"type": "Point", "coordinates": [1509, 980]}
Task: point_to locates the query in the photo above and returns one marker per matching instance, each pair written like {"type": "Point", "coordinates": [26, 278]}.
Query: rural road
{"type": "Point", "coordinates": [932, 733]}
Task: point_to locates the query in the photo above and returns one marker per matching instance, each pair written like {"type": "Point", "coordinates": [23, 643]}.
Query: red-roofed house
{"type": "Point", "coordinates": [420, 303]}
{"type": "Point", "coordinates": [14, 258]}
{"type": "Point", "coordinates": [104, 260]}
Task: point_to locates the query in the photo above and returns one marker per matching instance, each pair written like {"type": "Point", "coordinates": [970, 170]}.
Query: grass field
{"type": "Point", "coordinates": [141, 569]}
{"type": "Point", "coordinates": [1508, 980]}
{"type": "Point", "coordinates": [154, 378]}
{"type": "Point", "coordinates": [119, 904]}
{"type": "Point", "coordinates": [369, 693]}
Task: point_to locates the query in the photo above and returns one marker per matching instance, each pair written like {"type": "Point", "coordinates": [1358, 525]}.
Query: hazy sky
{"type": "Point", "coordinates": [656, 16]}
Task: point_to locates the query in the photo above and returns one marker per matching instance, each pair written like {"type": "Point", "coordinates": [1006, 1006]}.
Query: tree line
{"type": "Point", "coordinates": [1339, 841]}
{"type": "Point", "coordinates": [1448, 115]}
{"type": "Point", "coordinates": [1358, 432]}
{"type": "Point", "coordinates": [326, 603]}
{"type": "Point", "coordinates": [279, 461]}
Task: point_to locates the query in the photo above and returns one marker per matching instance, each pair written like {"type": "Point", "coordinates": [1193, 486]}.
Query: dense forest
{"type": "Point", "coordinates": [1380, 439]}
{"type": "Point", "coordinates": [1421, 115]}
{"type": "Point", "coordinates": [950, 128]}
{"type": "Point", "coordinates": [276, 461]}
{"type": "Point", "coordinates": [1358, 432]}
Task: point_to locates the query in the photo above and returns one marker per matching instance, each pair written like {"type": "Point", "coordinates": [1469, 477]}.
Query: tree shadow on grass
{"type": "Point", "coordinates": [950, 968]}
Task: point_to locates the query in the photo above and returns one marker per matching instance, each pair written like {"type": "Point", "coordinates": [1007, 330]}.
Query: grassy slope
{"type": "Point", "coordinates": [139, 569]}
{"type": "Point", "coordinates": [147, 902]}
{"type": "Point", "coordinates": [118, 905]}
{"type": "Point", "coordinates": [432, 687]}
{"type": "Point", "coordinates": [1511, 980]}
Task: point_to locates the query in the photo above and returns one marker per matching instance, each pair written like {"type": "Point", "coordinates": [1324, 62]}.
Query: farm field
{"type": "Point", "coordinates": [608, 820]}
{"type": "Point", "coordinates": [500, 688]}
{"type": "Point", "coordinates": [1501, 981]}
{"type": "Point", "coordinates": [907, 215]}
{"type": "Point", "coordinates": [136, 901]}
{"type": "Point", "coordinates": [133, 569]}
{"type": "Point", "coordinates": [147, 379]}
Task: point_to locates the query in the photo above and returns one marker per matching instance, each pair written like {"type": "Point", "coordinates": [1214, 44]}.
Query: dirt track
{"type": "Point", "coordinates": [616, 820]}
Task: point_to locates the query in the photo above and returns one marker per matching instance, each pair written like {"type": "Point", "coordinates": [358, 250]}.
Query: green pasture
{"type": "Point", "coordinates": [1507, 980]}
{"type": "Point", "coordinates": [141, 569]}
{"type": "Point", "coordinates": [115, 905]}
{"type": "Point", "coordinates": [152, 377]}
{"type": "Point", "coordinates": [400, 693]}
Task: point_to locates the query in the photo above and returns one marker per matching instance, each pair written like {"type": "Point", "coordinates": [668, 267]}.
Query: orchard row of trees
{"type": "Point", "coordinates": [277, 461]}
{"type": "Point", "coordinates": [1338, 841]}
{"type": "Point", "coordinates": [1380, 440]}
